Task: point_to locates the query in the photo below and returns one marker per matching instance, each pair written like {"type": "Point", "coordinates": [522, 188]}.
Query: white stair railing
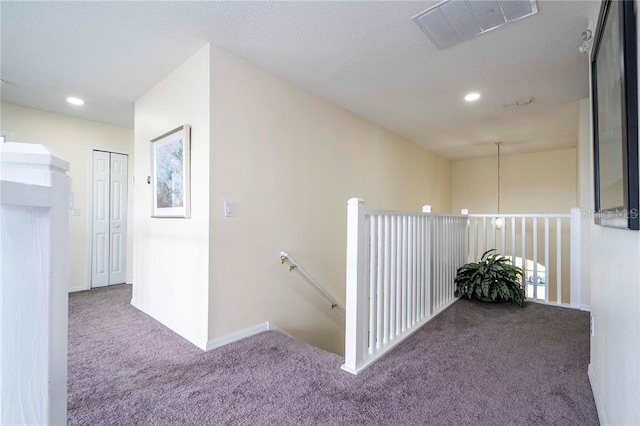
{"type": "Point", "coordinates": [400, 273]}
{"type": "Point", "coordinates": [545, 246]}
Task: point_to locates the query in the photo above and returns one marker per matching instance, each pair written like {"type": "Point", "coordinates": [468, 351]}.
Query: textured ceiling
{"type": "Point", "coordinates": [368, 57]}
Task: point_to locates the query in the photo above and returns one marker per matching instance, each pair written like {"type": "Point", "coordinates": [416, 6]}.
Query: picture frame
{"type": "Point", "coordinates": [615, 117]}
{"type": "Point", "coordinates": [170, 174]}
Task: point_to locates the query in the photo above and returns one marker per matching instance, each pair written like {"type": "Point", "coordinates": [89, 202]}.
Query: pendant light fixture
{"type": "Point", "coordinates": [499, 221]}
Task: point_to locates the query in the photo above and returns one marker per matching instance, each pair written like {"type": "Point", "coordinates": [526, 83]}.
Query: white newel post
{"type": "Point", "coordinates": [34, 199]}
{"type": "Point", "coordinates": [575, 257]}
{"type": "Point", "coordinates": [356, 316]}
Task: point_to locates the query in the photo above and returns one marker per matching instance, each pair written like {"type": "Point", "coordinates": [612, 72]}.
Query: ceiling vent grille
{"type": "Point", "coordinates": [519, 102]}
{"type": "Point", "coordinates": [454, 21]}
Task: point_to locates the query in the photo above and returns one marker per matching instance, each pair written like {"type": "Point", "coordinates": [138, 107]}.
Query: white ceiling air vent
{"type": "Point", "coordinates": [519, 102]}
{"type": "Point", "coordinates": [453, 21]}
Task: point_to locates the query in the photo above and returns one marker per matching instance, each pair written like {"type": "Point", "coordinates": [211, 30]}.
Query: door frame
{"type": "Point", "coordinates": [88, 212]}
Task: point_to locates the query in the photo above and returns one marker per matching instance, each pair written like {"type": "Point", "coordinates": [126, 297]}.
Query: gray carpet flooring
{"type": "Point", "coordinates": [475, 364]}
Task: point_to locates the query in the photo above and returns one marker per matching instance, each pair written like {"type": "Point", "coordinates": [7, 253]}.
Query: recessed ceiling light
{"type": "Point", "coordinates": [75, 101]}
{"type": "Point", "coordinates": [470, 97]}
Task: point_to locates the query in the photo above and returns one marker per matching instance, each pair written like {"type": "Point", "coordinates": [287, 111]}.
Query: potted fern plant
{"type": "Point", "coordinates": [493, 278]}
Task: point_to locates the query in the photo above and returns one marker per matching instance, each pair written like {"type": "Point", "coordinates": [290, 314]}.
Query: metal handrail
{"type": "Point", "coordinates": [284, 256]}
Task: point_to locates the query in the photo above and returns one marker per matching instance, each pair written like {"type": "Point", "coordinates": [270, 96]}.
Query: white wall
{"type": "Point", "coordinates": [171, 256]}
{"type": "Point", "coordinates": [73, 139]}
{"type": "Point", "coordinates": [290, 161]}
{"type": "Point", "coordinates": [615, 300]}
{"type": "Point", "coordinates": [585, 200]}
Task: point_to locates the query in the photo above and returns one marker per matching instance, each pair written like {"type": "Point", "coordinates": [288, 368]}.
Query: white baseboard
{"type": "Point", "coordinates": [218, 341]}
{"type": "Point", "coordinates": [586, 308]}
{"type": "Point", "coordinates": [559, 305]}
{"type": "Point", "coordinates": [237, 335]}
{"type": "Point", "coordinates": [202, 344]}
{"type": "Point", "coordinates": [243, 334]}
{"type": "Point", "coordinates": [275, 327]}
{"type": "Point", "coordinates": [596, 396]}
{"type": "Point", "coordinates": [84, 288]}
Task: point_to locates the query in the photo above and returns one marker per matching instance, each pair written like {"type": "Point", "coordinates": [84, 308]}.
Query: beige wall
{"type": "Point", "coordinates": [171, 256]}
{"type": "Point", "coordinates": [74, 139]}
{"type": "Point", "coordinates": [539, 182]}
{"type": "Point", "coordinates": [290, 161]}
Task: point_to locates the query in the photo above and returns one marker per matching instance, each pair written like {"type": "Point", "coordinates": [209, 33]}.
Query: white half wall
{"type": "Point", "coordinates": [74, 138]}
{"type": "Point", "coordinates": [171, 256]}
{"type": "Point", "coordinates": [34, 277]}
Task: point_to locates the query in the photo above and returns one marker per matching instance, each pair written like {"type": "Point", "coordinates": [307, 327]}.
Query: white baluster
{"type": "Point", "coordinates": [503, 232]}
{"type": "Point", "coordinates": [436, 256]}
{"type": "Point", "coordinates": [476, 240]}
{"type": "Point", "coordinates": [535, 258]}
{"type": "Point", "coordinates": [416, 293]}
{"type": "Point", "coordinates": [392, 278]}
{"type": "Point", "coordinates": [546, 259]}
{"type": "Point", "coordinates": [399, 263]}
{"type": "Point", "coordinates": [486, 233]}
{"type": "Point", "coordinates": [574, 248]}
{"type": "Point", "coordinates": [524, 254]}
{"type": "Point", "coordinates": [413, 270]}
{"type": "Point", "coordinates": [379, 283]}
{"type": "Point", "coordinates": [513, 240]}
{"type": "Point", "coordinates": [405, 268]}
{"type": "Point", "coordinates": [493, 233]}
{"type": "Point", "coordinates": [387, 272]}
{"type": "Point", "coordinates": [410, 266]}
{"type": "Point", "coordinates": [420, 265]}
{"type": "Point", "coordinates": [429, 260]}
{"type": "Point", "coordinates": [441, 266]}
{"type": "Point", "coordinates": [467, 237]}
{"type": "Point", "coordinates": [373, 259]}
{"type": "Point", "coordinates": [559, 260]}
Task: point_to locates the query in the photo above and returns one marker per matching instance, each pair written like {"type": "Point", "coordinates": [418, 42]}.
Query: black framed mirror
{"type": "Point", "coordinates": [615, 116]}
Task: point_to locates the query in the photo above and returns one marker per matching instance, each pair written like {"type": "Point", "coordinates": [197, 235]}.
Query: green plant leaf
{"type": "Point", "coordinates": [493, 277]}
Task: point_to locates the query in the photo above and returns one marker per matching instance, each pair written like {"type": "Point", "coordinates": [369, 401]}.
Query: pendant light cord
{"type": "Point", "coordinates": [498, 145]}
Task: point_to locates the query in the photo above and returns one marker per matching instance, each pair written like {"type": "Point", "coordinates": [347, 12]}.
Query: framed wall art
{"type": "Point", "coordinates": [170, 173]}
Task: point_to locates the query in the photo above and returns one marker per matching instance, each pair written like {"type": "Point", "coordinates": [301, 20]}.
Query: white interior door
{"type": "Point", "coordinates": [109, 246]}
{"type": "Point", "coordinates": [118, 223]}
{"type": "Point", "coordinates": [100, 250]}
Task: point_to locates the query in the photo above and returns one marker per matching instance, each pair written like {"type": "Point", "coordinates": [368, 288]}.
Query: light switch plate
{"type": "Point", "coordinates": [228, 209]}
